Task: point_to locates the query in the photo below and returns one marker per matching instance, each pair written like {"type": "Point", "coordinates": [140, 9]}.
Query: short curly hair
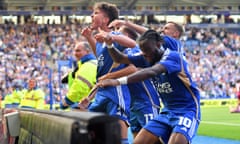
{"type": "Point", "coordinates": [109, 9]}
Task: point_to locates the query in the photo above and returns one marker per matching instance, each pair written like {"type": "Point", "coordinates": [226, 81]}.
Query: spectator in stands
{"type": "Point", "coordinates": [179, 119]}
{"type": "Point", "coordinates": [33, 97]}
{"type": "Point", "coordinates": [7, 103]}
{"type": "Point", "coordinates": [13, 98]}
{"type": "Point", "coordinates": [83, 78]}
{"type": "Point", "coordinates": [17, 94]}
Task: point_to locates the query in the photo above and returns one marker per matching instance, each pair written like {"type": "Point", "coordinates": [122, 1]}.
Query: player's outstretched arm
{"type": "Point", "coordinates": [118, 23]}
{"type": "Point", "coordinates": [87, 33]}
{"type": "Point", "coordinates": [140, 75]}
{"type": "Point", "coordinates": [120, 73]}
{"type": "Point", "coordinates": [118, 56]}
{"type": "Point", "coordinates": [109, 38]}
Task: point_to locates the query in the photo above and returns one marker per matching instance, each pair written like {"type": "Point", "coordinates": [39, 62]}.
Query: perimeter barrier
{"type": "Point", "coordinates": [218, 102]}
{"type": "Point", "coordinates": [27, 126]}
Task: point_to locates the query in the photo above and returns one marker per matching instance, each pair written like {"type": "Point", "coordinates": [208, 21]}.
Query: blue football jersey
{"type": "Point", "coordinates": [177, 90]}
{"type": "Point", "coordinates": [119, 94]}
{"type": "Point", "coordinates": [142, 93]}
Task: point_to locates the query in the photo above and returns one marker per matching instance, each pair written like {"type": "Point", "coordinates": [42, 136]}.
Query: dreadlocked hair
{"type": "Point", "coordinates": [151, 35]}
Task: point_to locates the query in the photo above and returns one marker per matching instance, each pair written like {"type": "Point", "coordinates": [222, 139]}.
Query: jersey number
{"type": "Point", "coordinates": [185, 122]}
{"type": "Point", "coordinates": [148, 117]}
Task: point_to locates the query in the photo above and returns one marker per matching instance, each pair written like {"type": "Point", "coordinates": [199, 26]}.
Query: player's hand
{"type": "Point", "coordinates": [83, 104]}
{"type": "Point", "coordinates": [106, 76]}
{"type": "Point", "coordinates": [117, 24]}
{"type": "Point", "coordinates": [108, 82]}
{"type": "Point", "coordinates": [86, 32]}
{"type": "Point", "coordinates": [104, 36]}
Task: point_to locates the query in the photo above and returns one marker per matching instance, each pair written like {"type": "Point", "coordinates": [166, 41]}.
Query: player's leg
{"type": "Point", "coordinates": [177, 138]}
{"type": "Point", "coordinates": [156, 131]}
{"type": "Point", "coordinates": [185, 128]}
{"type": "Point", "coordinates": [134, 124]}
{"type": "Point", "coordinates": [115, 110]}
{"type": "Point", "coordinates": [124, 131]}
{"type": "Point", "coordinates": [146, 137]}
{"type": "Point", "coordinates": [141, 114]}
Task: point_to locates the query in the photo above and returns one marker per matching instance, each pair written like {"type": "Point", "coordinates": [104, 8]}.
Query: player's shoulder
{"type": "Point", "coordinates": [171, 43]}
{"type": "Point", "coordinates": [169, 52]}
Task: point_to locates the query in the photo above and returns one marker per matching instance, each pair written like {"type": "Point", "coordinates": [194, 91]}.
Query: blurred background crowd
{"type": "Point", "coordinates": [34, 50]}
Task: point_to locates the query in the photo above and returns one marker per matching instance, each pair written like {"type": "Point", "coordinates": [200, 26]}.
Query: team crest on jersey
{"type": "Point", "coordinates": [101, 60]}
{"type": "Point", "coordinates": [164, 87]}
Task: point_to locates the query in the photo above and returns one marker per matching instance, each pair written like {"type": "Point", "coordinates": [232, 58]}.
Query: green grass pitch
{"type": "Point", "coordinates": [219, 122]}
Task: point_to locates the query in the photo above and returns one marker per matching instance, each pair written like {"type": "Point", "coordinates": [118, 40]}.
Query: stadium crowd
{"type": "Point", "coordinates": [214, 61]}
{"type": "Point", "coordinates": [32, 50]}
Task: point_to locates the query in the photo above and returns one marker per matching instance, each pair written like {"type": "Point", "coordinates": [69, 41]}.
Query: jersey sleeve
{"type": "Point", "coordinates": [171, 61]}
{"type": "Point", "coordinates": [138, 61]}
{"type": "Point", "coordinates": [171, 43]}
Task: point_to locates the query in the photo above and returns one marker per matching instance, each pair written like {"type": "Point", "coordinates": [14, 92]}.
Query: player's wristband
{"type": "Point", "coordinates": [110, 46]}
{"type": "Point", "coordinates": [123, 80]}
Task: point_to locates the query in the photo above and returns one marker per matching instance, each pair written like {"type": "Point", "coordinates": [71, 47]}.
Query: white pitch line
{"type": "Point", "coordinates": [220, 123]}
